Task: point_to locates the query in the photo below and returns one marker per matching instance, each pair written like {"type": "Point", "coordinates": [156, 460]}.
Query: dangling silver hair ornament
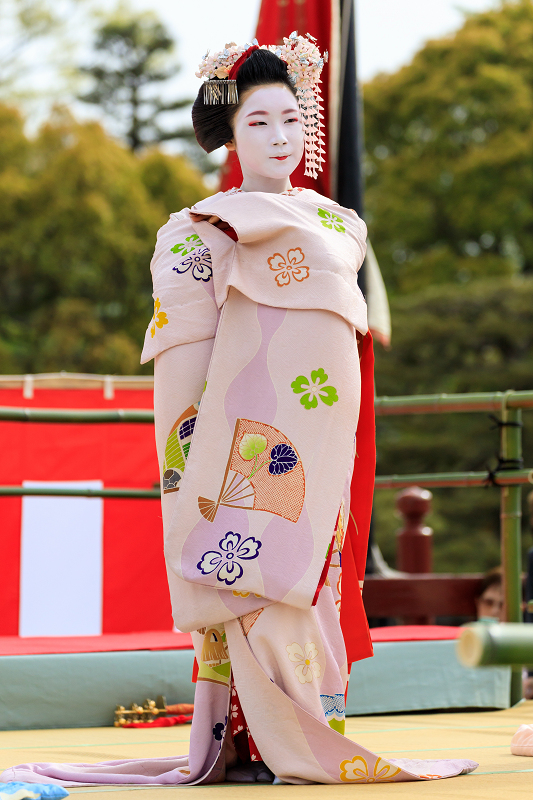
{"type": "Point", "coordinates": [304, 65]}
{"type": "Point", "coordinates": [220, 92]}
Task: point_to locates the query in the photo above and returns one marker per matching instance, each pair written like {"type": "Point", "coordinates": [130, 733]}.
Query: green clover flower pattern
{"type": "Point", "coordinates": [331, 221]}
{"type": "Point", "coordinates": [184, 248]}
{"type": "Point", "coordinates": [314, 389]}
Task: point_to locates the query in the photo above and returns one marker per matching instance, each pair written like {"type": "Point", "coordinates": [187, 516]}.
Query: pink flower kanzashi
{"type": "Point", "coordinates": [289, 266]}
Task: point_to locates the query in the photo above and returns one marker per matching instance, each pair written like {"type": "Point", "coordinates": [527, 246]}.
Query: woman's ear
{"type": "Point", "coordinates": [230, 145]}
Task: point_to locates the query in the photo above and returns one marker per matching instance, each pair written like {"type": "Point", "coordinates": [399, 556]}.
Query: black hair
{"type": "Point", "coordinates": [213, 123]}
{"type": "Point", "coordinates": [493, 577]}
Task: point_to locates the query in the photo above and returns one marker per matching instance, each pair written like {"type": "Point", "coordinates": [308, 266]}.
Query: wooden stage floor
{"type": "Point", "coordinates": [483, 736]}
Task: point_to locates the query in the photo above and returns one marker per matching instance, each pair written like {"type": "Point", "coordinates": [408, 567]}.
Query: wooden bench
{"type": "Point", "coordinates": [417, 599]}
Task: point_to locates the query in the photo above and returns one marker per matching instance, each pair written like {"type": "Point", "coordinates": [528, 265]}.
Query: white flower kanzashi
{"type": "Point", "coordinates": [300, 53]}
{"type": "Point", "coordinates": [307, 668]}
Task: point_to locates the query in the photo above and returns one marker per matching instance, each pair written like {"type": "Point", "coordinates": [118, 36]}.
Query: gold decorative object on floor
{"type": "Point", "coordinates": [150, 711]}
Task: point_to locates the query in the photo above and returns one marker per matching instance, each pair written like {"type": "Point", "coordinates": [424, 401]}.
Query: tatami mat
{"type": "Point", "coordinates": [482, 736]}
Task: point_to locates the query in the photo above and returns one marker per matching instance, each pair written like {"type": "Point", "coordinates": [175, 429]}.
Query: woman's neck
{"type": "Point", "coordinates": [258, 183]}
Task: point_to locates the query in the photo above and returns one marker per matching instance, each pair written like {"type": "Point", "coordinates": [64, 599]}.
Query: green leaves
{"type": "Point", "coordinates": [454, 339]}
{"type": "Point", "coordinates": [448, 161]}
{"type": "Point", "coordinates": [252, 445]}
{"type": "Point", "coordinates": [79, 220]}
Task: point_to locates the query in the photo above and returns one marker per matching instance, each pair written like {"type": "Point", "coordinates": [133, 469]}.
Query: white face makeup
{"type": "Point", "coordinates": [268, 138]}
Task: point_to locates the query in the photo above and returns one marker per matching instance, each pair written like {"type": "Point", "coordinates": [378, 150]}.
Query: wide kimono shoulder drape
{"type": "Point", "coordinates": [265, 438]}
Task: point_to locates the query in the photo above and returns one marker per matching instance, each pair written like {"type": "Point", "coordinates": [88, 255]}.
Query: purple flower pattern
{"type": "Point", "coordinates": [199, 262]}
{"type": "Point", "coordinates": [226, 563]}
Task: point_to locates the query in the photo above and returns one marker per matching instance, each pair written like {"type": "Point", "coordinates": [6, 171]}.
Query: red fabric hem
{"type": "Point", "coordinates": [324, 573]}
{"type": "Point", "coordinates": [353, 617]}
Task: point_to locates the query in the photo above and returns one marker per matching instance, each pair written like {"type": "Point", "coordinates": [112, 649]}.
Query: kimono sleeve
{"type": "Point", "coordinates": [184, 300]}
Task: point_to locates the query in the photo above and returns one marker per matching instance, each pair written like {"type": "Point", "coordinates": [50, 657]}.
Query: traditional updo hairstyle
{"type": "Point", "coordinates": [213, 123]}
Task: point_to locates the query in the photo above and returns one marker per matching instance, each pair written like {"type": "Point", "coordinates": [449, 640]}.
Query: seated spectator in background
{"type": "Point", "coordinates": [489, 600]}
{"type": "Point", "coordinates": [489, 603]}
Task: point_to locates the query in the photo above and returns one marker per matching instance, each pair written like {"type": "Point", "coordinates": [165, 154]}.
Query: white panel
{"type": "Point", "coordinates": [61, 563]}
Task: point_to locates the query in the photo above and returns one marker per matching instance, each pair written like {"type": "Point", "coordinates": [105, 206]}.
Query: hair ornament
{"type": "Point", "coordinates": [304, 65]}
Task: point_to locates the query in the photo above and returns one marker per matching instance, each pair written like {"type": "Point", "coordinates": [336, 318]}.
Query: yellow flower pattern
{"type": "Point", "coordinates": [159, 318]}
{"type": "Point", "coordinates": [356, 771]}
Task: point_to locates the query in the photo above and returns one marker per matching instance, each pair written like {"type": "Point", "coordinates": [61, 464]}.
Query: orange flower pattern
{"type": "Point", "coordinates": [289, 267]}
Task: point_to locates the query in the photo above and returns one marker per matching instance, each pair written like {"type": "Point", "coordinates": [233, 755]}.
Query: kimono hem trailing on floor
{"type": "Point", "coordinates": [260, 387]}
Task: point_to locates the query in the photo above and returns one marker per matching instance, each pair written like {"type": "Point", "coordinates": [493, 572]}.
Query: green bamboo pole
{"type": "Point", "coordinates": [511, 532]}
{"type": "Point", "coordinates": [385, 406]}
{"type": "Point", "coordinates": [68, 491]}
{"type": "Point", "coordinates": [441, 480]}
{"type": "Point", "coordinates": [500, 644]}
{"type": "Point", "coordinates": [75, 415]}
{"type": "Point", "coordinates": [444, 403]}
{"type": "Point", "coordinates": [438, 480]}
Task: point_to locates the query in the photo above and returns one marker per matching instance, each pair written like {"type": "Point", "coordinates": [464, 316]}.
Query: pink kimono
{"type": "Point", "coordinates": [257, 392]}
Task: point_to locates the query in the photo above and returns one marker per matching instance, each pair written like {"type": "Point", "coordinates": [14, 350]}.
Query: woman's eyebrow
{"type": "Point", "coordinates": [265, 113]}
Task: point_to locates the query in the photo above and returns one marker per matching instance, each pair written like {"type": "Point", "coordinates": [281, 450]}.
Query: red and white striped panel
{"type": "Point", "coordinates": [78, 566]}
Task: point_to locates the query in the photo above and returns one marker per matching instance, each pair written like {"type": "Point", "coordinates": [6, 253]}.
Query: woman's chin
{"type": "Point", "coordinates": [279, 169]}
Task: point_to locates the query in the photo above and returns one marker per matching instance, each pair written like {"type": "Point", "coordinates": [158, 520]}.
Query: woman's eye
{"type": "Point", "coordinates": [292, 119]}
{"type": "Point", "coordinates": [254, 124]}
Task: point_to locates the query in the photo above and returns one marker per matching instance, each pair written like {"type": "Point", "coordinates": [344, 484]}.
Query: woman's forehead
{"type": "Point", "coordinates": [272, 98]}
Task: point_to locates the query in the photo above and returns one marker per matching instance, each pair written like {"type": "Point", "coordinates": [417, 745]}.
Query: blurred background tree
{"type": "Point", "coordinates": [454, 339]}
{"type": "Point", "coordinates": [22, 22]}
{"type": "Point", "coordinates": [133, 60]}
{"type": "Point", "coordinates": [449, 155]}
{"type": "Point", "coordinates": [449, 170]}
{"type": "Point", "coordinates": [75, 284]}
{"type": "Point", "coordinates": [75, 287]}
{"type": "Point", "coordinates": [38, 44]}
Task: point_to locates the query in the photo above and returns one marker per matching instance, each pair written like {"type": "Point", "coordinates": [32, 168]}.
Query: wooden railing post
{"type": "Point", "coordinates": [414, 542]}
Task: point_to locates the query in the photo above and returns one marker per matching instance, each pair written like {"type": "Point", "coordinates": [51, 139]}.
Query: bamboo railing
{"type": "Point", "coordinates": [509, 477]}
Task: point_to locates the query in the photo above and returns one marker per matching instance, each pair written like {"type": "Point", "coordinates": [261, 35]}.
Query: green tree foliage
{"type": "Point", "coordinates": [451, 340]}
{"type": "Point", "coordinates": [132, 59]}
{"type": "Point", "coordinates": [449, 164]}
{"type": "Point", "coordinates": [78, 218]}
{"type": "Point", "coordinates": [450, 209]}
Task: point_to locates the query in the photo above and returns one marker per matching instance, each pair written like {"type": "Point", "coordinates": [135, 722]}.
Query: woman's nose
{"type": "Point", "coordinates": [279, 136]}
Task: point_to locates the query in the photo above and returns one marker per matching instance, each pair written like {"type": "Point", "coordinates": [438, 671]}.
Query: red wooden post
{"type": "Point", "coordinates": [414, 543]}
